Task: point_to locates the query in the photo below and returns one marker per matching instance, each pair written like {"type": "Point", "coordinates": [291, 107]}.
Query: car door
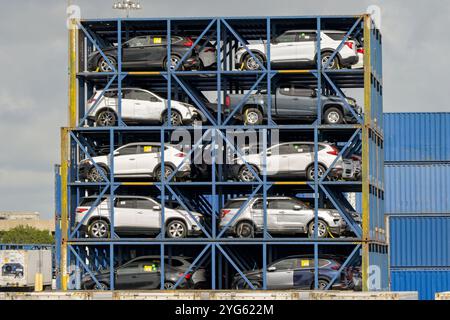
{"type": "Point", "coordinates": [287, 217]}
{"type": "Point", "coordinates": [147, 106]}
{"type": "Point", "coordinates": [140, 274]}
{"type": "Point", "coordinates": [148, 157]}
{"type": "Point", "coordinates": [280, 275]}
{"type": "Point", "coordinates": [125, 160]}
{"type": "Point", "coordinates": [303, 273]}
{"type": "Point", "coordinates": [287, 104]}
{"type": "Point", "coordinates": [306, 46]}
{"type": "Point", "coordinates": [300, 157]}
{"type": "Point", "coordinates": [125, 215]}
{"type": "Point", "coordinates": [147, 218]}
{"type": "Point", "coordinates": [305, 102]}
{"type": "Point", "coordinates": [137, 52]}
{"type": "Point", "coordinates": [285, 48]}
{"type": "Point", "coordinates": [278, 159]}
{"type": "Point", "coordinates": [257, 212]}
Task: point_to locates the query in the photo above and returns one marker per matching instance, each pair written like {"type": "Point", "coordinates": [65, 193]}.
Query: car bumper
{"type": "Point", "coordinates": [191, 63]}
{"type": "Point", "coordinates": [348, 62]}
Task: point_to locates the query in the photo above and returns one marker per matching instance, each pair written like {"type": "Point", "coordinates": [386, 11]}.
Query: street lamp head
{"type": "Point", "coordinates": [127, 5]}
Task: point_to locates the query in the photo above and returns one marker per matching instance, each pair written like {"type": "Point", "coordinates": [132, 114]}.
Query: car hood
{"type": "Point", "coordinates": [105, 50]}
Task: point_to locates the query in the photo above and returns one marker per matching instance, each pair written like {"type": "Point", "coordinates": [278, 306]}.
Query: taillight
{"type": "Point", "coordinates": [349, 44]}
{"type": "Point", "coordinates": [224, 212]}
{"type": "Point", "coordinates": [227, 101]}
{"type": "Point", "coordinates": [360, 50]}
{"type": "Point", "coordinates": [187, 276]}
{"type": "Point", "coordinates": [180, 155]}
{"type": "Point", "coordinates": [188, 42]}
{"type": "Point", "coordinates": [335, 267]}
{"type": "Point", "coordinates": [81, 210]}
{"type": "Point", "coordinates": [334, 151]}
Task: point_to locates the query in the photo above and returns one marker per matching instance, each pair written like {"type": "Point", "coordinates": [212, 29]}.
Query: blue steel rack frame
{"type": "Point", "coordinates": [366, 135]}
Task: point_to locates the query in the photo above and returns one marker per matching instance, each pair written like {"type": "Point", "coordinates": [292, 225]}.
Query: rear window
{"type": "Point", "coordinates": [337, 36]}
{"type": "Point", "coordinates": [234, 204]}
{"type": "Point", "coordinates": [88, 202]}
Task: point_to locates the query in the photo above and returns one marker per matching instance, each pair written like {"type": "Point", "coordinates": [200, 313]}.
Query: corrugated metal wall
{"type": "Point", "coordinates": [426, 282]}
{"type": "Point", "coordinates": [417, 136]}
{"type": "Point", "coordinates": [417, 188]}
{"type": "Point", "coordinates": [417, 185]}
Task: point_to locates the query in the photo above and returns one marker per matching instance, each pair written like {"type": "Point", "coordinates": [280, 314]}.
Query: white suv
{"type": "Point", "coordinates": [139, 106]}
{"type": "Point", "coordinates": [137, 160]}
{"type": "Point", "coordinates": [134, 215]}
{"type": "Point", "coordinates": [296, 47]}
{"type": "Point", "coordinates": [289, 159]}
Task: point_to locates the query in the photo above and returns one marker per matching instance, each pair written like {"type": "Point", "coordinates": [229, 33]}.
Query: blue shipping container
{"type": "Point", "coordinates": [417, 136]}
{"type": "Point", "coordinates": [417, 189]}
{"type": "Point", "coordinates": [426, 282]}
{"type": "Point", "coordinates": [419, 241]}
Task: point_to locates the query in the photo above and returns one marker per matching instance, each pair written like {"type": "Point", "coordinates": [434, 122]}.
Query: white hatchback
{"type": "Point", "coordinates": [135, 215]}
{"type": "Point", "coordinates": [139, 106]}
{"type": "Point", "coordinates": [137, 160]}
{"type": "Point", "coordinates": [289, 159]}
{"type": "Point", "coordinates": [298, 47]}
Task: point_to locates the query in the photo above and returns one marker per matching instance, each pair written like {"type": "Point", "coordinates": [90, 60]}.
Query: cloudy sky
{"type": "Point", "coordinates": [33, 82]}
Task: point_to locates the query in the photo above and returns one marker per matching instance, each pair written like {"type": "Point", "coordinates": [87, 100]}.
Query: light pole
{"type": "Point", "coordinates": [127, 5]}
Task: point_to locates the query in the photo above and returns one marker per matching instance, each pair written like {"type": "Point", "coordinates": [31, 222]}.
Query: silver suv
{"type": "Point", "coordinates": [285, 215]}
{"type": "Point", "coordinates": [135, 215]}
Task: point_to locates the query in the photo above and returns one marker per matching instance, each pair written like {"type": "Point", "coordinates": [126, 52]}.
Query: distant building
{"type": "Point", "coordinates": [12, 219]}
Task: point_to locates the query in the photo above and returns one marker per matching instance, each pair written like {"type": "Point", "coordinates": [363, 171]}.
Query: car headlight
{"type": "Point", "coordinates": [85, 161]}
{"type": "Point", "coordinates": [351, 102]}
{"type": "Point", "coordinates": [335, 214]}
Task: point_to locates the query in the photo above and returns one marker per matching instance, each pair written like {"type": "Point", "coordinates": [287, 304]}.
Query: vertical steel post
{"type": "Point", "coordinates": [64, 207]}
{"type": "Point", "coordinates": [73, 36]}
{"type": "Point", "coordinates": [366, 151]}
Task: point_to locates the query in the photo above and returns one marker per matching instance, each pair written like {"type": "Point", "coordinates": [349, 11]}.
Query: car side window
{"type": "Point", "coordinates": [148, 149]}
{"type": "Point", "coordinates": [131, 265]}
{"type": "Point", "coordinates": [258, 205]}
{"type": "Point", "coordinates": [307, 36]}
{"type": "Point", "coordinates": [285, 91]}
{"type": "Point", "coordinates": [287, 264]}
{"type": "Point", "coordinates": [126, 203]}
{"type": "Point", "coordinates": [151, 265]}
{"type": "Point", "coordinates": [110, 94]}
{"type": "Point", "coordinates": [287, 37]}
{"type": "Point", "coordinates": [158, 40]}
{"type": "Point", "coordinates": [173, 262]}
{"type": "Point", "coordinates": [138, 95]}
{"type": "Point", "coordinates": [138, 42]}
{"type": "Point", "coordinates": [304, 263]}
{"type": "Point", "coordinates": [282, 149]}
{"type": "Point", "coordinates": [281, 204]}
{"type": "Point", "coordinates": [127, 151]}
{"type": "Point", "coordinates": [303, 148]}
{"type": "Point", "coordinates": [145, 204]}
{"type": "Point", "coordinates": [302, 92]}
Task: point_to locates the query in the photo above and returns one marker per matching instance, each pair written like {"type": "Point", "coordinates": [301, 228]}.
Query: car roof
{"type": "Point", "coordinates": [321, 256]}
{"type": "Point", "coordinates": [119, 195]}
{"type": "Point", "coordinates": [313, 30]}
{"type": "Point", "coordinates": [158, 256]}
{"type": "Point", "coordinates": [259, 197]}
{"type": "Point", "coordinates": [144, 143]}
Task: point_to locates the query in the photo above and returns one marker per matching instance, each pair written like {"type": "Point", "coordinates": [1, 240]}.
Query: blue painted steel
{"type": "Point", "coordinates": [427, 282]}
{"type": "Point", "coordinates": [419, 241]}
{"type": "Point", "coordinates": [417, 188]}
{"type": "Point", "coordinates": [417, 136]}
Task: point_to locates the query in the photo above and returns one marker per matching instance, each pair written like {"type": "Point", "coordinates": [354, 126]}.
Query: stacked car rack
{"type": "Point", "coordinates": [221, 255]}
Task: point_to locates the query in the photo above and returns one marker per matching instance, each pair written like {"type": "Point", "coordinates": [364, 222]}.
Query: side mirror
{"type": "Point", "coordinates": [116, 153]}
{"type": "Point", "coordinates": [157, 208]}
{"type": "Point", "coordinates": [271, 269]}
{"type": "Point", "coordinates": [268, 153]}
{"type": "Point", "coordinates": [313, 93]}
{"type": "Point", "coordinates": [297, 208]}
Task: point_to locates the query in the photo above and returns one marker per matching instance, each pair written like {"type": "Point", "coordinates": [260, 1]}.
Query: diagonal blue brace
{"type": "Point", "coordinates": [192, 265]}
{"type": "Point", "coordinates": [79, 259]}
{"type": "Point", "coordinates": [344, 265]}
{"type": "Point", "coordinates": [235, 266]}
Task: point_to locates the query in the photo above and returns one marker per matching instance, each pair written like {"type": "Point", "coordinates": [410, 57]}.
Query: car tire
{"type": "Point", "coordinates": [95, 176]}
{"type": "Point", "coordinates": [253, 117]}
{"type": "Point", "coordinates": [168, 285]}
{"type": "Point", "coordinates": [98, 229]}
{"type": "Point", "coordinates": [251, 64]}
{"type": "Point", "coordinates": [310, 172]}
{"type": "Point", "coordinates": [246, 175]}
{"type": "Point", "coordinates": [333, 115]}
{"type": "Point", "coordinates": [168, 170]}
{"type": "Point", "coordinates": [256, 285]}
{"type": "Point", "coordinates": [174, 59]}
{"type": "Point", "coordinates": [103, 286]}
{"type": "Point", "coordinates": [245, 229]}
{"type": "Point", "coordinates": [176, 229]}
{"type": "Point", "coordinates": [334, 65]}
{"type": "Point", "coordinates": [106, 118]}
{"type": "Point", "coordinates": [323, 283]}
{"type": "Point", "coordinates": [103, 66]}
{"type": "Point", "coordinates": [175, 119]}
{"type": "Point", "coordinates": [322, 229]}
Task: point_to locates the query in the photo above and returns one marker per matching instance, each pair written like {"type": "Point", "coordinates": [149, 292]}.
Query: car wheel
{"type": "Point", "coordinates": [255, 284]}
{"type": "Point", "coordinates": [246, 175]}
{"type": "Point", "coordinates": [175, 119]}
{"type": "Point", "coordinates": [173, 62]}
{"type": "Point", "coordinates": [322, 284]}
{"type": "Point", "coordinates": [102, 286]}
{"type": "Point", "coordinates": [167, 172]}
{"type": "Point", "coordinates": [333, 115]}
{"type": "Point", "coordinates": [98, 229]}
{"type": "Point", "coordinates": [322, 229]}
{"type": "Point", "coordinates": [253, 117]}
{"type": "Point", "coordinates": [176, 229]}
{"type": "Point", "coordinates": [251, 64]}
{"type": "Point", "coordinates": [103, 66]}
{"type": "Point", "coordinates": [106, 118]}
{"type": "Point", "coordinates": [169, 285]}
{"type": "Point", "coordinates": [334, 64]}
{"type": "Point", "coordinates": [310, 172]}
{"type": "Point", "coordinates": [95, 176]}
{"type": "Point", "coordinates": [245, 230]}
